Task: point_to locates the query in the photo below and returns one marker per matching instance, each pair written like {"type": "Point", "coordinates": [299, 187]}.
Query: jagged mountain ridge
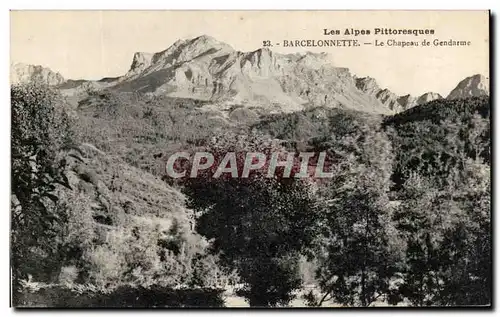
{"type": "Point", "coordinates": [206, 69]}
{"type": "Point", "coordinates": [390, 99]}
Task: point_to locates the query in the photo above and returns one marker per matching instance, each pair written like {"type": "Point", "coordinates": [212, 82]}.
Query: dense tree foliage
{"type": "Point", "coordinates": [433, 137]}
{"type": "Point", "coordinates": [40, 130]}
{"type": "Point", "coordinates": [260, 225]}
{"type": "Point", "coordinates": [443, 171]}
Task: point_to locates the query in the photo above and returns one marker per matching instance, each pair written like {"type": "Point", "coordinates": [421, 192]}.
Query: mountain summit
{"type": "Point", "coordinates": [473, 86]}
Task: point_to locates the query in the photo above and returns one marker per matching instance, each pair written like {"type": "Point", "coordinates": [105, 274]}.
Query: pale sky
{"type": "Point", "coordinates": [96, 44]}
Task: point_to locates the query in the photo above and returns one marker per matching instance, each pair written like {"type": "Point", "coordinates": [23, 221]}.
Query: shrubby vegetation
{"type": "Point", "coordinates": [135, 127]}
{"type": "Point", "coordinates": [314, 123]}
{"type": "Point", "coordinates": [405, 219]}
{"type": "Point", "coordinates": [85, 221]}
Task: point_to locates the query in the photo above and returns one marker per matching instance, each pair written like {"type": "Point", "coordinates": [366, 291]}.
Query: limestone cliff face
{"type": "Point", "coordinates": [21, 73]}
{"type": "Point", "coordinates": [140, 62]}
{"type": "Point", "coordinates": [407, 101]}
{"type": "Point", "coordinates": [473, 86]}
{"type": "Point", "coordinates": [204, 68]}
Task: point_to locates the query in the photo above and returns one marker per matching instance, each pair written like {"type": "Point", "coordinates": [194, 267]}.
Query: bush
{"type": "Point", "coordinates": [125, 296]}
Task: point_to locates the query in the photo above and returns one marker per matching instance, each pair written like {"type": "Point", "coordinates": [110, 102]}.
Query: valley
{"type": "Point", "coordinates": [98, 222]}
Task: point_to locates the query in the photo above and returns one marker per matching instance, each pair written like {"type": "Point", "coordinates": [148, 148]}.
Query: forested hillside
{"type": "Point", "coordinates": [405, 219]}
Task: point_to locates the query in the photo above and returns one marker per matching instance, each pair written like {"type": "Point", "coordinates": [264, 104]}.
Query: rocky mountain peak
{"type": "Point", "coordinates": [407, 101]}
{"type": "Point", "coordinates": [206, 40]}
{"type": "Point", "coordinates": [186, 50]}
{"type": "Point", "coordinates": [368, 85]}
{"type": "Point", "coordinates": [476, 85]}
{"type": "Point", "coordinates": [140, 62]}
{"type": "Point", "coordinates": [21, 73]}
{"type": "Point", "coordinates": [427, 97]}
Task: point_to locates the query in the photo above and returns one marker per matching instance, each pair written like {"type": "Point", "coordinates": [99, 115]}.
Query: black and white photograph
{"type": "Point", "coordinates": [250, 159]}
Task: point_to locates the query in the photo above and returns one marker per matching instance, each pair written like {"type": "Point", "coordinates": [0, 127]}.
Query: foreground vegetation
{"type": "Point", "coordinates": [405, 219]}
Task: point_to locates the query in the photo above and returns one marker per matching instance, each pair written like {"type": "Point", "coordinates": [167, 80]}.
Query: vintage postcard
{"type": "Point", "coordinates": [250, 159]}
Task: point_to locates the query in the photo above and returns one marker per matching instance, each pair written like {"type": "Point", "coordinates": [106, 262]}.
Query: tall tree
{"type": "Point", "coordinates": [259, 225]}
{"type": "Point", "coordinates": [359, 250]}
{"type": "Point", "coordinates": [40, 129]}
